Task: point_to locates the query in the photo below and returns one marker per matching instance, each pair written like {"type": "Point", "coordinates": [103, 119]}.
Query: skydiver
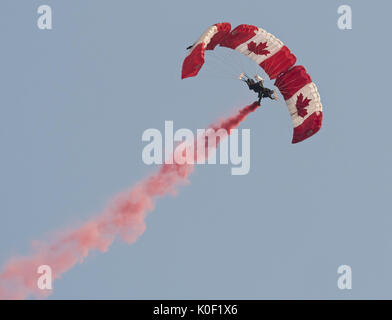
{"type": "Point", "coordinates": [258, 87]}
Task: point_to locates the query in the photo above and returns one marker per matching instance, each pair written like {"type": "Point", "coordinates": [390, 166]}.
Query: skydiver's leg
{"type": "Point", "coordinates": [270, 94]}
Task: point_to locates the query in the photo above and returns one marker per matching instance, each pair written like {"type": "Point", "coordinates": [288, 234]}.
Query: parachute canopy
{"type": "Point", "coordinates": [294, 83]}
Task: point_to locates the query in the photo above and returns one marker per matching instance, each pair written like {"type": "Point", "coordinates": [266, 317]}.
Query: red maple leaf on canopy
{"type": "Point", "coordinates": [259, 49]}
{"type": "Point", "coordinates": [301, 105]}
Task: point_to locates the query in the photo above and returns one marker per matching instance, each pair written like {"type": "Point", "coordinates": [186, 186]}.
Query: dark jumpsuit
{"type": "Point", "coordinates": [258, 87]}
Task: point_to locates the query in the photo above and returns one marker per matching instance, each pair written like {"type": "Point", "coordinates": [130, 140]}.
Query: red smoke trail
{"type": "Point", "coordinates": [125, 216]}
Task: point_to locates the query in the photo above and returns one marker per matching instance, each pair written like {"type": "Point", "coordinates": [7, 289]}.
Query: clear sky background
{"type": "Point", "coordinates": [75, 101]}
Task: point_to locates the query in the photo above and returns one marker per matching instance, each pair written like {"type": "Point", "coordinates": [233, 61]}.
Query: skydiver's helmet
{"type": "Point", "coordinates": [258, 78]}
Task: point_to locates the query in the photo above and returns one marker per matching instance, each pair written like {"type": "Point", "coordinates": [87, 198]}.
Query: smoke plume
{"type": "Point", "coordinates": [124, 217]}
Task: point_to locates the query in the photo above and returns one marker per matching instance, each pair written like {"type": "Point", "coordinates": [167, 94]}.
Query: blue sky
{"type": "Point", "coordinates": [74, 104]}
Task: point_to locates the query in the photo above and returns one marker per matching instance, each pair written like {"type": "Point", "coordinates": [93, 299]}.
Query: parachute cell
{"type": "Point", "coordinates": [207, 41]}
{"type": "Point", "coordinates": [294, 83]}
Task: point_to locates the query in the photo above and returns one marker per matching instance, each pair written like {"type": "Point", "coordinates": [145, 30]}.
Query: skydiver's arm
{"type": "Point", "coordinates": [248, 82]}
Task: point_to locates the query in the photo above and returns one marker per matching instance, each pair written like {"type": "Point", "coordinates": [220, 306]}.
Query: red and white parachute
{"type": "Point", "coordinates": [294, 83]}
